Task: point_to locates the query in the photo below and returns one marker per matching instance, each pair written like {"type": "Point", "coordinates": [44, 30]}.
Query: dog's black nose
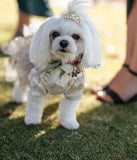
{"type": "Point", "coordinates": [64, 43]}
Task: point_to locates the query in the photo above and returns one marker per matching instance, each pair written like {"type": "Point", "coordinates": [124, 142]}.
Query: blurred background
{"type": "Point", "coordinates": [108, 15]}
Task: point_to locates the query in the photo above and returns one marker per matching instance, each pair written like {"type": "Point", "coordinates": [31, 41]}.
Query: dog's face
{"type": "Point", "coordinates": [60, 38]}
{"type": "Point", "coordinates": [66, 44]}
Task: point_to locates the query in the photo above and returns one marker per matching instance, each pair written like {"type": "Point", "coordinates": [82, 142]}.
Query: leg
{"type": "Point", "coordinates": [23, 20]}
{"type": "Point", "coordinates": [133, 61]}
{"type": "Point", "coordinates": [129, 53]}
{"type": "Point", "coordinates": [67, 113]}
{"type": "Point", "coordinates": [34, 108]}
{"type": "Point", "coordinates": [126, 87]}
{"type": "Point", "coordinates": [20, 93]}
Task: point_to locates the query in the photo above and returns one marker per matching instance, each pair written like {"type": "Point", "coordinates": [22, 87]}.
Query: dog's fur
{"type": "Point", "coordinates": [45, 47]}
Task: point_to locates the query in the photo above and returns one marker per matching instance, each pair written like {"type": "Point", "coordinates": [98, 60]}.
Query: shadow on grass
{"type": "Point", "coordinates": [106, 132]}
{"type": "Point", "coordinates": [10, 105]}
{"type": "Point", "coordinates": [50, 109]}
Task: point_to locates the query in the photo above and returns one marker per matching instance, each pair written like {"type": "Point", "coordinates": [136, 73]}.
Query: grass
{"type": "Point", "coordinates": [107, 131]}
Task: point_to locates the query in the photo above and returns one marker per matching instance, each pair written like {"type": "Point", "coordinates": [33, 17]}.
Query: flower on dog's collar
{"type": "Point", "coordinates": [76, 61]}
{"type": "Point", "coordinates": [75, 64]}
{"type": "Point", "coordinates": [73, 17]}
{"type": "Point", "coordinates": [57, 63]}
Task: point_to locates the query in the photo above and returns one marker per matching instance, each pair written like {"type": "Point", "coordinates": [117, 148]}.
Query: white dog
{"type": "Point", "coordinates": [60, 51]}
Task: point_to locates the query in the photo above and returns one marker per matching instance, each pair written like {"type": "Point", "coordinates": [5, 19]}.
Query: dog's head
{"type": "Point", "coordinates": [67, 37]}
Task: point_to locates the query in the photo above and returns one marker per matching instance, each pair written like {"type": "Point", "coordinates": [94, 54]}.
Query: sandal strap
{"type": "Point", "coordinates": [125, 65]}
{"type": "Point", "coordinates": [114, 96]}
{"type": "Point", "coordinates": [105, 87]}
{"type": "Point", "coordinates": [132, 72]}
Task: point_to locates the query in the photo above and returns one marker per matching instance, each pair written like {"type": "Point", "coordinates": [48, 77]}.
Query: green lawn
{"type": "Point", "coordinates": [107, 131]}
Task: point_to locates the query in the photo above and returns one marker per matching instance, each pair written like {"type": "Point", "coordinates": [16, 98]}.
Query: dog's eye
{"type": "Point", "coordinates": [55, 34]}
{"type": "Point", "coordinates": [76, 36]}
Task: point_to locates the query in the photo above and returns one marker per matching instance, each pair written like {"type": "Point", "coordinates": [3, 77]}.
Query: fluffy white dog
{"type": "Point", "coordinates": [60, 51]}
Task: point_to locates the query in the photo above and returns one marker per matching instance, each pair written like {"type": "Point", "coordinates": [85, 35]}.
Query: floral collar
{"type": "Point", "coordinates": [57, 63]}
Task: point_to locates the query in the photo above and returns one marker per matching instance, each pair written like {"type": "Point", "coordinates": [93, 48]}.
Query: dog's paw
{"type": "Point", "coordinates": [70, 124]}
{"type": "Point", "coordinates": [29, 121]}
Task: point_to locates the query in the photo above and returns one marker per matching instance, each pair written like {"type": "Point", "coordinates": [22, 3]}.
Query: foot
{"type": "Point", "coordinates": [70, 123]}
{"type": "Point", "coordinates": [125, 87]}
{"type": "Point", "coordinates": [31, 120]}
{"type": "Point", "coordinates": [96, 89]}
{"type": "Point", "coordinates": [118, 76]}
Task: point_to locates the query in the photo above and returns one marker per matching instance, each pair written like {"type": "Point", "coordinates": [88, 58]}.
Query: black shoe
{"type": "Point", "coordinates": [115, 97]}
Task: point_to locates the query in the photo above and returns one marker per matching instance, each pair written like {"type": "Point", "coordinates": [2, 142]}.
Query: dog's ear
{"type": "Point", "coordinates": [40, 46]}
{"type": "Point", "coordinates": [93, 52]}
